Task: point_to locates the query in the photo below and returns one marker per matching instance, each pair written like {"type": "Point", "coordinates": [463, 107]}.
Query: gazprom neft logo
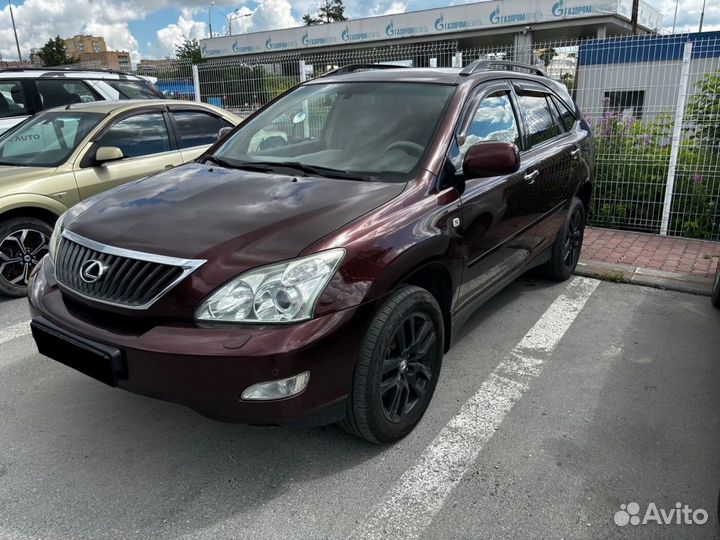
{"type": "Point", "coordinates": [307, 41]}
{"type": "Point", "coordinates": [391, 31]}
{"type": "Point", "coordinates": [559, 10]}
{"type": "Point", "coordinates": [681, 514]}
{"type": "Point", "coordinates": [440, 23]}
{"type": "Point", "coordinates": [514, 18]}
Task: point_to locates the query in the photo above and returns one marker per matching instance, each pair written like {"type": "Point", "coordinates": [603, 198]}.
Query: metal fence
{"type": "Point", "coordinates": [653, 102]}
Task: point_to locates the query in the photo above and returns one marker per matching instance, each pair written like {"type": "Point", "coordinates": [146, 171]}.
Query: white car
{"type": "Point", "coordinates": [24, 92]}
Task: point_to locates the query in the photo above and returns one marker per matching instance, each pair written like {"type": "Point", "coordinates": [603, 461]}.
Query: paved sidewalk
{"type": "Point", "coordinates": [648, 259]}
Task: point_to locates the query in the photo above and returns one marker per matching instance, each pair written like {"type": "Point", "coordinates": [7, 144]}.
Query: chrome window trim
{"type": "Point", "coordinates": [188, 266]}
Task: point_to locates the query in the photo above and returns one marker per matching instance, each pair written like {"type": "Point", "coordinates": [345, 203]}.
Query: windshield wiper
{"type": "Point", "coordinates": [316, 170]}
{"type": "Point", "coordinates": [246, 165]}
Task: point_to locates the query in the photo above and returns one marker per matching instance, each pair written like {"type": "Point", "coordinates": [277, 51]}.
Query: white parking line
{"type": "Point", "coordinates": [15, 331]}
{"type": "Point", "coordinates": [420, 493]}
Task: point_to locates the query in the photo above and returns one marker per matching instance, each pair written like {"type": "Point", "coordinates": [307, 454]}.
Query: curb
{"type": "Point", "coordinates": [623, 273]}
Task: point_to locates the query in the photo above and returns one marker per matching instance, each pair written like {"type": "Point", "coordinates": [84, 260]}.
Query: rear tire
{"type": "Point", "coordinates": [568, 244]}
{"type": "Point", "coordinates": [715, 298]}
{"type": "Point", "coordinates": [398, 367]}
{"type": "Point", "coordinates": [23, 242]}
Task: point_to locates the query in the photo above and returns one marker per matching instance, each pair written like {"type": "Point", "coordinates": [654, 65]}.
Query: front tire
{"type": "Point", "coordinates": [23, 242]}
{"type": "Point", "coordinates": [715, 298]}
{"type": "Point", "coordinates": [398, 367]}
{"type": "Point", "coordinates": [568, 244]}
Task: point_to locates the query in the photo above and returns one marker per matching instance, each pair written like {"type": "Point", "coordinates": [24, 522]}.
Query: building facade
{"type": "Point", "coordinates": [81, 44]}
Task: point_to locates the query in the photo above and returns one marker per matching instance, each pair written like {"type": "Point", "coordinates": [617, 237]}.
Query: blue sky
{"type": "Point", "coordinates": [152, 28]}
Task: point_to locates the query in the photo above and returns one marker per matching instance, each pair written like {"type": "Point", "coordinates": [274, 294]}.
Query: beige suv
{"type": "Point", "coordinates": [61, 156]}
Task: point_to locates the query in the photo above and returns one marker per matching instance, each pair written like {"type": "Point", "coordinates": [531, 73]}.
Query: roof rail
{"type": "Point", "coordinates": [352, 68]}
{"type": "Point", "coordinates": [63, 69]}
{"type": "Point", "coordinates": [482, 65]}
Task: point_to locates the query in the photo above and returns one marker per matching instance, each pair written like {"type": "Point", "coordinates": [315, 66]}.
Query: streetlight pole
{"type": "Point", "coordinates": [17, 43]}
{"type": "Point", "coordinates": [209, 17]}
{"type": "Point", "coordinates": [702, 16]}
{"type": "Point", "coordinates": [230, 19]}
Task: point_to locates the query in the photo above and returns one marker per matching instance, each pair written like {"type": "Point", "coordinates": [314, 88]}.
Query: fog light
{"type": "Point", "coordinates": [277, 389]}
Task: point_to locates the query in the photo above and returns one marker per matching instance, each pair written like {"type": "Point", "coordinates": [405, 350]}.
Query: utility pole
{"type": "Point", "coordinates": [702, 16]}
{"type": "Point", "coordinates": [634, 16]}
{"type": "Point", "coordinates": [17, 43]}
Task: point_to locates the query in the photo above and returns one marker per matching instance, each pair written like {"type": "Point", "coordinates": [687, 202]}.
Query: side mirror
{"type": "Point", "coordinates": [223, 131]}
{"type": "Point", "coordinates": [108, 153]}
{"type": "Point", "coordinates": [491, 158]}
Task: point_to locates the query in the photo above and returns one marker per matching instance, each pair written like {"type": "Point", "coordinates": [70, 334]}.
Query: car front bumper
{"type": "Point", "coordinates": [208, 368]}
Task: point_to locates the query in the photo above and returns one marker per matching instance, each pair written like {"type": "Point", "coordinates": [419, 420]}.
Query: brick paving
{"type": "Point", "coordinates": [697, 258]}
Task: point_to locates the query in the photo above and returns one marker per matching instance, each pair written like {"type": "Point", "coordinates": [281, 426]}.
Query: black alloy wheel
{"type": "Point", "coordinates": [407, 366]}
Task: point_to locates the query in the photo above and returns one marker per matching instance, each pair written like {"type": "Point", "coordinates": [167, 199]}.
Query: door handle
{"type": "Point", "coordinates": [575, 153]}
{"type": "Point", "coordinates": [531, 176]}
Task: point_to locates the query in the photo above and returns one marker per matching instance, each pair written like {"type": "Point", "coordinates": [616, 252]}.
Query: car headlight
{"type": "Point", "coordinates": [56, 236]}
{"type": "Point", "coordinates": [277, 293]}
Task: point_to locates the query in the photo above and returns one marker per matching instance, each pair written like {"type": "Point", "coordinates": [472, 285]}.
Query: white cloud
{"type": "Point", "coordinates": [175, 34]}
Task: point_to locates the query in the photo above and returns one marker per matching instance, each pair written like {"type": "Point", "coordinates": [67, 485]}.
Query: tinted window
{"type": "Point", "coordinates": [47, 139]}
{"type": "Point", "coordinates": [568, 118]}
{"type": "Point", "coordinates": [12, 99]}
{"type": "Point", "coordinates": [133, 90]}
{"type": "Point", "coordinates": [540, 123]}
{"type": "Point", "coordinates": [196, 128]}
{"type": "Point", "coordinates": [555, 112]}
{"type": "Point", "coordinates": [139, 135]}
{"type": "Point", "coordinates": [56, 93]}
{"type": "Point", "coordinates": [493, 120]}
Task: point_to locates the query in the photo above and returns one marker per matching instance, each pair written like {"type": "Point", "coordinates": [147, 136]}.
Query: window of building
{"type": "Point", "coordinates": [627, 103]}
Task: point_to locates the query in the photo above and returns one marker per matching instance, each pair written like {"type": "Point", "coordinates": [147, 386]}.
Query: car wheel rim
{"type": "Point", "coordinates": [572, 240]}
{"type": "Point", "coordinates": [20, 252]}
{"type": "Point", "coordinates": [407, 366]}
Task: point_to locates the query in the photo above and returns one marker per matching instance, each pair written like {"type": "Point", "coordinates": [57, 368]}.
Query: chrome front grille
{"type": "Point", "coordinates": [117, 276]}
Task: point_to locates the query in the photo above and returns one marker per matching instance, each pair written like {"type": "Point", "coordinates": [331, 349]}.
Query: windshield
{"type": "Point", "coordinates": [375, 130]}
{"type": "Point", "coordinates": [47, 139]}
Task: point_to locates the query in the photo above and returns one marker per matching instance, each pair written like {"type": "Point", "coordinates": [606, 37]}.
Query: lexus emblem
{"type": "Point", "coordinates": [91, 271]}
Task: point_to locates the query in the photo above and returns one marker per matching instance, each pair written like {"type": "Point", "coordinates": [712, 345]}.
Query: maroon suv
{"type": "Point", "coordinates": [315, 264]}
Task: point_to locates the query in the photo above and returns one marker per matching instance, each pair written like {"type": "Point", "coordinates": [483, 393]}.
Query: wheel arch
{"type": "Point", "coordinates": [436, 278]}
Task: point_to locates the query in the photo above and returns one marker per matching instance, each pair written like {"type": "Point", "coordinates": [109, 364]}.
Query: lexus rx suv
{"type": "Point", "coordinates": [316, 263]}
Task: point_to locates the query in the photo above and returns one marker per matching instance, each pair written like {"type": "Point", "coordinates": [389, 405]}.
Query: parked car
{"type": "Point", "coordinates": [320, 277]}
{"type": "Point", "coordinates": [716, 288]}
{"type": "Point", "coordinates": [27, 91]}
{"type": "Point", "coordinates": [62, 156]}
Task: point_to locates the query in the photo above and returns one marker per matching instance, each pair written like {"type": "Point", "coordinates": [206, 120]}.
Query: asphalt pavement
{"type": "Point", "coordinates": [559, 404]}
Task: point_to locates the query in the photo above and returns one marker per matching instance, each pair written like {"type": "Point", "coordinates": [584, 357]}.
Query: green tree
{"type": "Point", "coordinates": [547, 55]}
{"type": "Point", "coordinates": [328, 12]}
{"type": "Point", "coordinates": [189, 50]}
{"type": "Point", "coordinates": [703, 111]}
{"type": "Point", "coordinates": [53, 53]}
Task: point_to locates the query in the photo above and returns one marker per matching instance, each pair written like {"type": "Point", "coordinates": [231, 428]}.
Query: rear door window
{"type": "Point", "coordinates": [568, 118]}
{"type": "Point", "coordinates": [197, 128]}
{"type": "Point", "coordinates": [56, 92]}
{"type": "Point", "coordinates": [539, 120]}
{"type": "Point", "coordinates": [12, 99]}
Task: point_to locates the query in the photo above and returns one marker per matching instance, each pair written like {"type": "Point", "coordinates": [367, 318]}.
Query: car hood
{"type": "Point", "coordinates": [238, 219]}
